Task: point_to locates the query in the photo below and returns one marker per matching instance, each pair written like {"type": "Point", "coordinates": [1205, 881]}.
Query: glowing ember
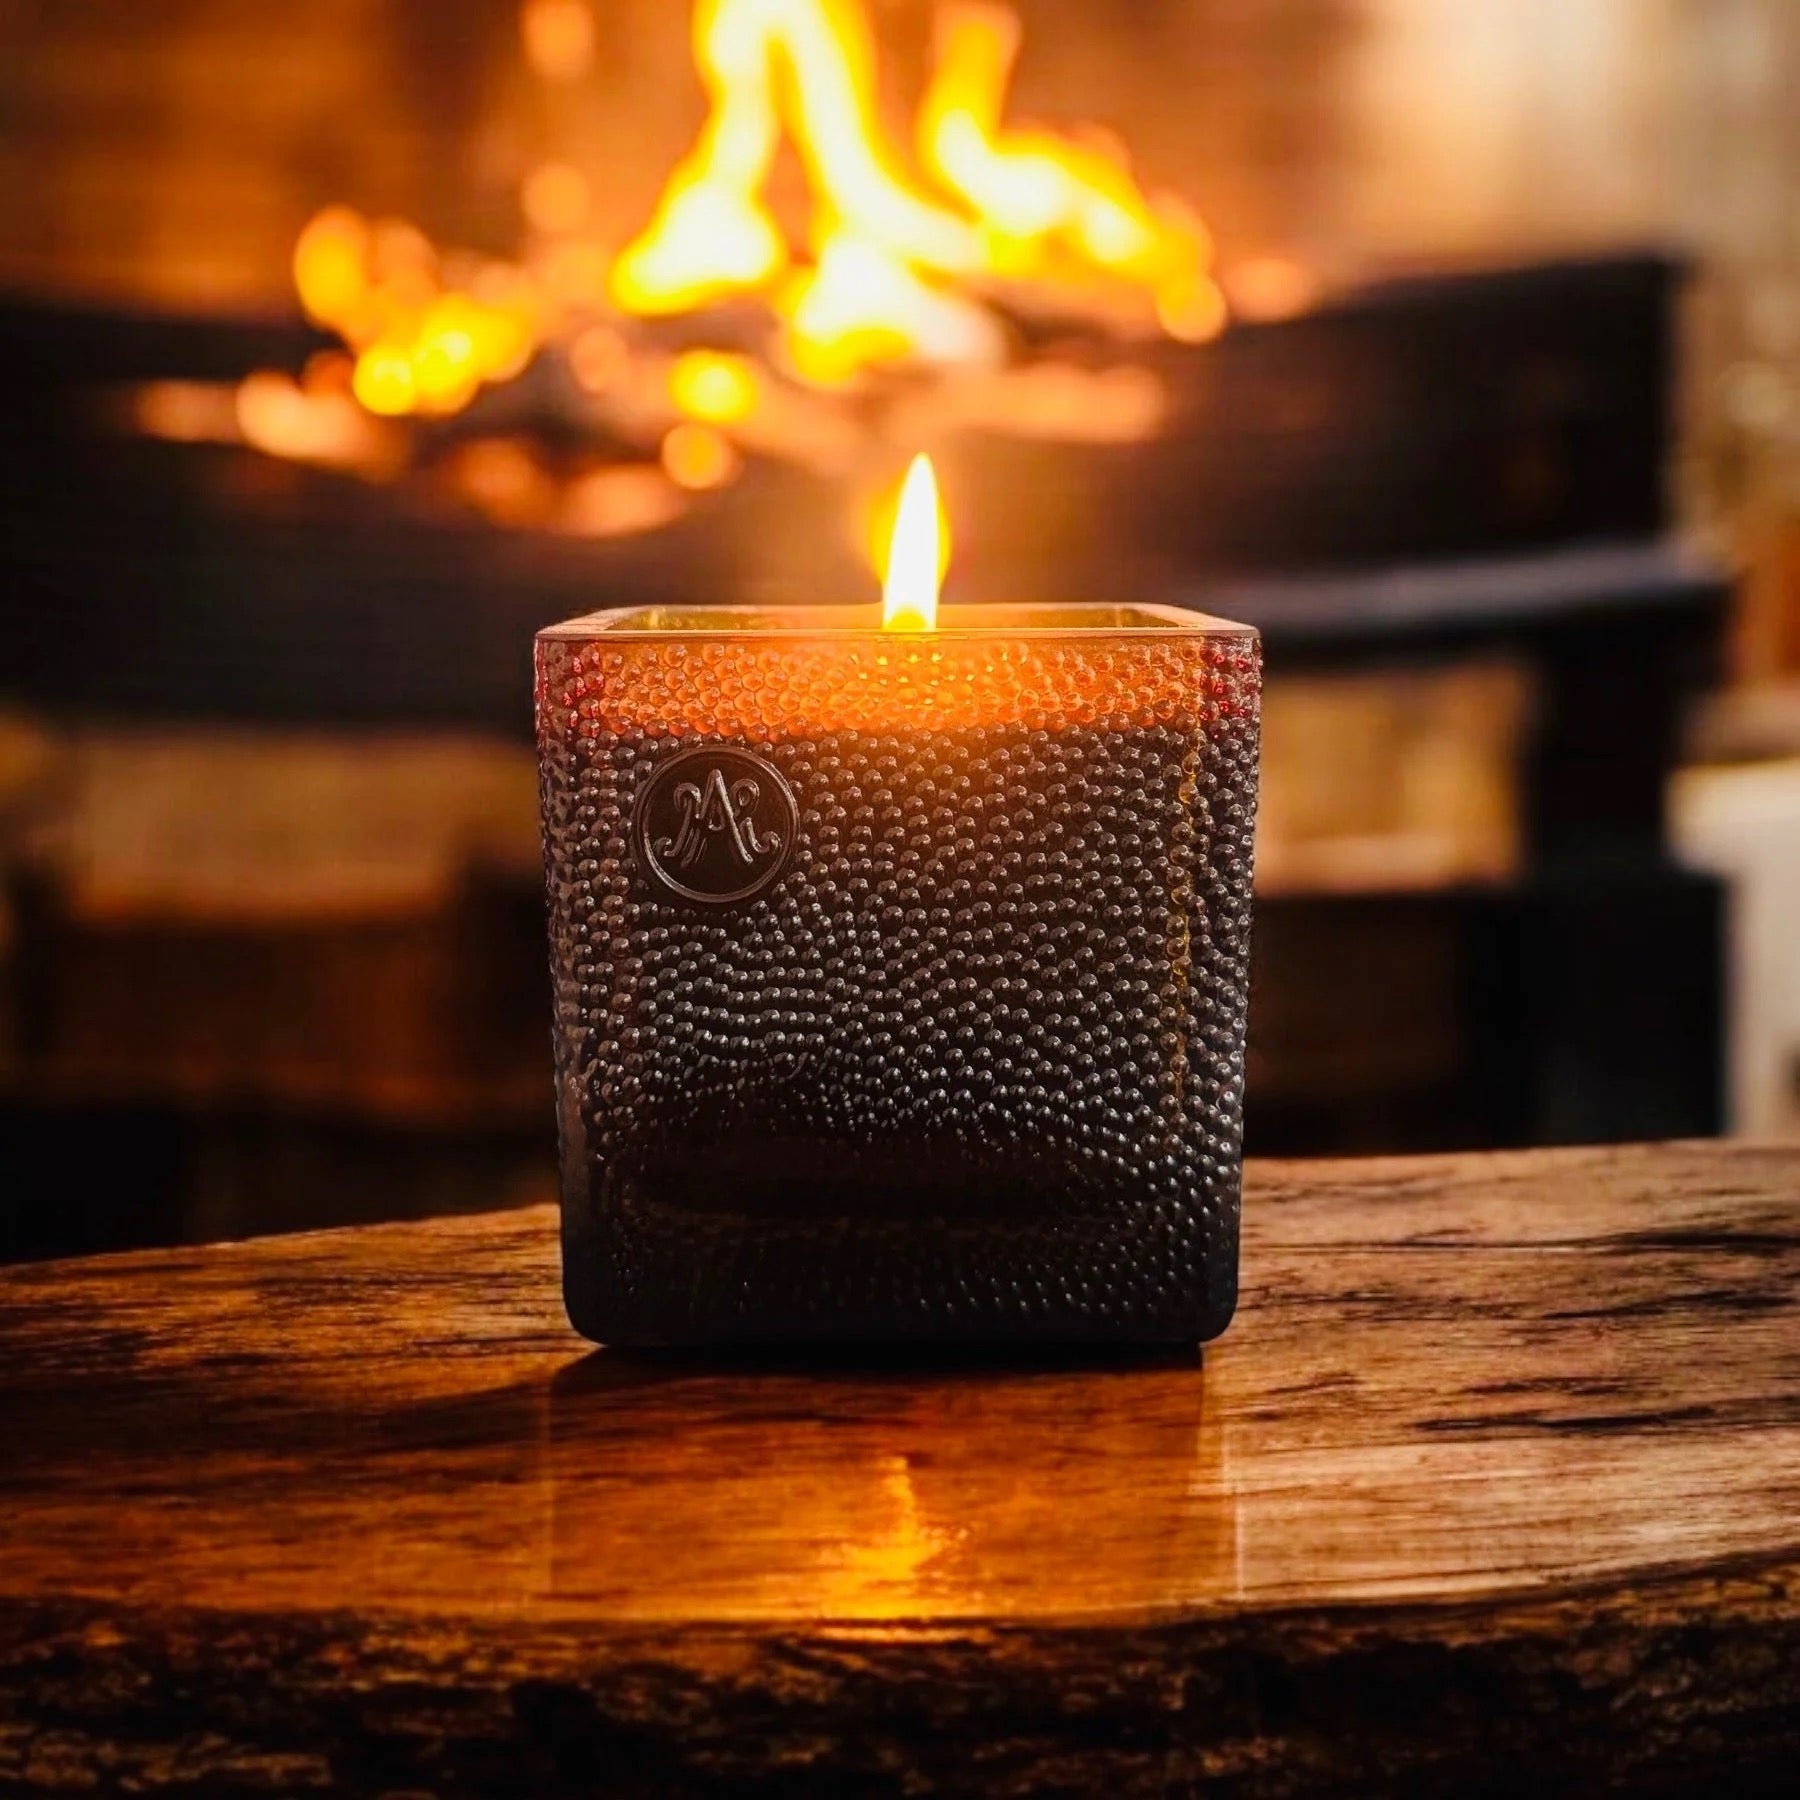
{"type": "Point", "coordinates": [312, 420]}
{"type": "Point", "coordinates": [918, 552]}
{"type": "Point", "coordinates": [286, 418]}
{"type": "Point", "coordinates": [714, 388]}
{"type": "Point", "coordinates": [558, 37]}
{"type": "Point", "coordinates": [422, 345]}
{"type": "Point", "coordinates": [697, 457]}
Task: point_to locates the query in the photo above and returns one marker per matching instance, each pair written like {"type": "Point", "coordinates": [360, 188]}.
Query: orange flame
{"type": "Point", "coordinates": [711, 234]}
{"type": "Point", "coordinates": [891, 266]}
{"type": "Point", "coordinates": [1039, 197]}
{"type": "Point", "coordinates": [1021, 204]}
{"type": "Point", "coordinates": [917, 552]}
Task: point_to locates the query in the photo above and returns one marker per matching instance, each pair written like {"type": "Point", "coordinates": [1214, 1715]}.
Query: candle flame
{"type": "Point", "coordinates": [916, 554]}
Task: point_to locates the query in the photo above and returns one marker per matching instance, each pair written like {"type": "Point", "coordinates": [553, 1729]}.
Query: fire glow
{"type": "Point", "coordinates": [1016, 206]}
{"type": "Point", "coordinates": [894, 260]}
{"type": "Point", "coordinates": [890, 271]}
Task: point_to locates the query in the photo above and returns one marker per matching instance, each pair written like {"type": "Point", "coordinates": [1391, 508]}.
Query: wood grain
{"type": "Point", "coordinates": [1496, 1476]}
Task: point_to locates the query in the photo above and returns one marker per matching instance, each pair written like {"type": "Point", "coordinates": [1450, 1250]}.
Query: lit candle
{"type": "Point", "coordinates": [900, 966]}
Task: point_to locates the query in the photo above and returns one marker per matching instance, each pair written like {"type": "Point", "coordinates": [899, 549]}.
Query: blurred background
{"type": "Point", "coordinates": [1454, 343]}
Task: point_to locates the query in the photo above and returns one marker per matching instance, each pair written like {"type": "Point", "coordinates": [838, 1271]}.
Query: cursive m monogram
{"type": "Point", "coordinates": [715, 825]}
{"type": "Point", "coordinates": [705, 812]}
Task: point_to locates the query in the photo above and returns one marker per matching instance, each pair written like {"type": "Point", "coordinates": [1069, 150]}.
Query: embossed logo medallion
{"type": "Point", "coordinates": [714, 825]}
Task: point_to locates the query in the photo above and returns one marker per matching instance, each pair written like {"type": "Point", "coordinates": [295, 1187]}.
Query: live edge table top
{"type": "Point", "coordinates": [1497, 1470]}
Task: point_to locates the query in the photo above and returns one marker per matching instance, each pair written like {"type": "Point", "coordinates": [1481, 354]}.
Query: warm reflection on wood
{"type": "Point", "coordinates": [1501, 1458]}
{"type": "Point", "coordinates": [883, 1492]}
{"type": "Point", "coordinates": [1448, 1375]}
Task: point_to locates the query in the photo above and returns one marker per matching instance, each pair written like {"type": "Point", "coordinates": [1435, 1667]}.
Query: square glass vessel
{"type": "Point", "coordinates": [900, 977]}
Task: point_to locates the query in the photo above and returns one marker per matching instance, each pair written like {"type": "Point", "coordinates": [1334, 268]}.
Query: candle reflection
{"type": "Point", "coordinates": [943, 1496]}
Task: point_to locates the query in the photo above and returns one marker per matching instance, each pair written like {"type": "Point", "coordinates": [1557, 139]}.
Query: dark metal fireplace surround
{"type": "Point", "coordinates": [1422, 472]}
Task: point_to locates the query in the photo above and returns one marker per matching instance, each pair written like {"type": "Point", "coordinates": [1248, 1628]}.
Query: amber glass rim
{"type": "Point", "coordinates": [1076, 619]}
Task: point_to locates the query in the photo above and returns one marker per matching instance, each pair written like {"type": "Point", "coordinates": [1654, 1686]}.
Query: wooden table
{"type": "Point", "coordinates": [1494, 1482]}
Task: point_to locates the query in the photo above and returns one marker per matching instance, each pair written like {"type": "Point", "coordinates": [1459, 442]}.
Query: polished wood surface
{"type": "Point", "coordinates": [1497, 1471]}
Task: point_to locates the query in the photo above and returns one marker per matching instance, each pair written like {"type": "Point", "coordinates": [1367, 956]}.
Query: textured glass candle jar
{"type": "Point", "coordinates": [900, 978]}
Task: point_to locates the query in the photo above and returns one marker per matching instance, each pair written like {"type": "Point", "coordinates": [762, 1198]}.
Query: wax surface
{"type": "Point", "coordinates": [750, 686]}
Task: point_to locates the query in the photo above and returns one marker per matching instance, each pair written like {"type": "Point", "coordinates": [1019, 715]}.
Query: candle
{"type": "Point", "coordinates": [900, 965]}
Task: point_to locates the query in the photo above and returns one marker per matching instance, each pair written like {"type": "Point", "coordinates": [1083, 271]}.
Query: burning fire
{"type": "Point", "coordinates": [896, 261]}
{"type": "Point", "coordinates": [1015, 206]}
{"type": "Point", "coordinates": [1050, 208]}
{"type": "Point", "coordinates": [893, 268]}
{"type": "Point", "coordinates": [918, 553]}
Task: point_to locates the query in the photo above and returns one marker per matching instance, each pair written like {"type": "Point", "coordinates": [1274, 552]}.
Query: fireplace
{"type": "Point", "coordinates": [581, 306]}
